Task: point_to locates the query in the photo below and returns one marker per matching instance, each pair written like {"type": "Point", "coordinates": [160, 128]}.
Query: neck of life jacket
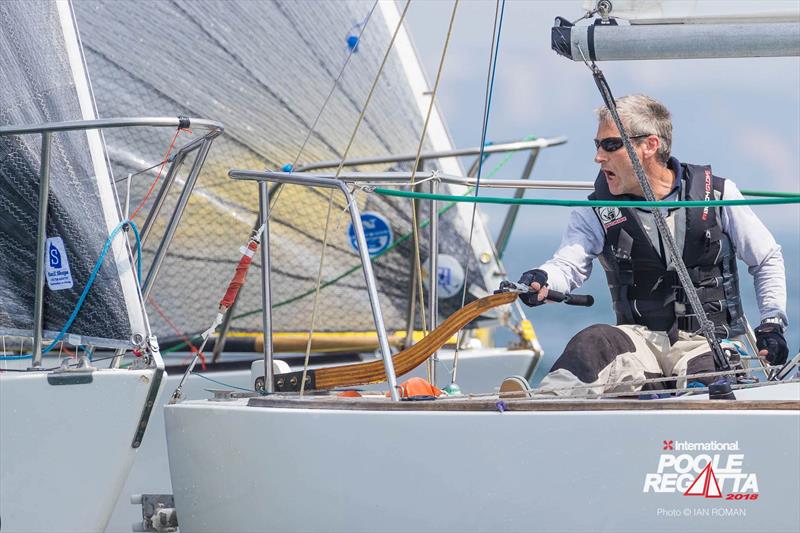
{"type": "Point", "coordinates": [644, 286]}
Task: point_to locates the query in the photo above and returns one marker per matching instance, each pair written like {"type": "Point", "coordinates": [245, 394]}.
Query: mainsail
{"type": "Point", "coordinates": [45, 81]}
{"type": "Point", "coordinates": [264, 69]}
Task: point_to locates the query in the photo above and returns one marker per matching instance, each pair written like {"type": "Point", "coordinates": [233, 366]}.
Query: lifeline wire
{"type": "Point", "coordinates": [403, 238]}
{"type": "Point", "coordinates": [642, 381]}
{"type": "Point", "coordinates": [221, 383]}
{"type": "Point", "coordinates": [496, 29]}
{"type": "Point", "coordinates": [789, 198]}
{"type": "Point", "coordinates": [780, 198]}
{"type": "Point", "coordinates": [330, 196]}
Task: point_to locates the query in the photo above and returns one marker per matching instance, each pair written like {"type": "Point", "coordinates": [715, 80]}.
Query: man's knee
{"type": "Point", "coordinates": [593, 349]}
{"type": "Point", "coordinates": [702, 364]}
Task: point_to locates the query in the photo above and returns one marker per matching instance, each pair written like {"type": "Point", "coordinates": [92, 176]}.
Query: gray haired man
{"type": "Point", "coordinates": [657, 334]}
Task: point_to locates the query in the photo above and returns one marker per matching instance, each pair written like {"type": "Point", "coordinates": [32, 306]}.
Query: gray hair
{"type": "Point", "coordinates": [643, 115]}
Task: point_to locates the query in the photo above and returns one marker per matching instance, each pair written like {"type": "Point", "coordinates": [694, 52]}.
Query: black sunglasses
{"type": "Point", "coordinates": [612, 144]}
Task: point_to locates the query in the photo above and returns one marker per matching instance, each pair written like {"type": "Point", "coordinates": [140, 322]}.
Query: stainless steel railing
{"type": "Point", "coordinates": [203, 144]}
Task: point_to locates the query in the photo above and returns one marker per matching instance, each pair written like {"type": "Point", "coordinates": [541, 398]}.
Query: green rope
{"type": "Point", "coordinates": [794, 199]}
{"type": "Point", "coordinates": [772, 198]}
{"type": "Point", "coordinates": [425, 223]}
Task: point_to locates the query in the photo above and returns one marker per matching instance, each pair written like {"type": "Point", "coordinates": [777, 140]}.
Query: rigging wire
{"type": "Point", "coordinates": [330, 196]}
{"type": "Point", "coordinates": [706, 325]}
{"type": "Point", "coordinates": [171, 324]}
{"type": "Point", "coordinates": [160, 171]}
{"type": "Point", "coordinates": [221, 383]}
{"type": "Point", "coordinates": [362, 27]}
{"type": "Point", "coordinates": [414, 222]}
{"type": "Point", "coordinates": [397, 242]}
{"type": "Point", "coordinates": [496, 31]}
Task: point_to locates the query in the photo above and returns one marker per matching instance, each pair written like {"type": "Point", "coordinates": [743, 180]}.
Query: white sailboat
{"type": "Point", "coordinates": [289, 462]}
{"type": "Point", "coordinates": [249, 83]}
{"type": "Point", "coordinates": [70, 426]}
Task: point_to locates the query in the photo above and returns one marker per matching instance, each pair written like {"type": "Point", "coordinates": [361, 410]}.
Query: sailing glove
{"type": "Point", "coordinates": [769, 336]}
{"type": "Point", "coordinates": [531, 298]}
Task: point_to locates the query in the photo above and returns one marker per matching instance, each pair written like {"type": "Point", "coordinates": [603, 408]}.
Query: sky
{"type": "Point", "coordinates": [742, 116]}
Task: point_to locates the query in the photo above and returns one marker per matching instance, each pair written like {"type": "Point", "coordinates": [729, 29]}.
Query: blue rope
{"type": "Point", "coordinates": [88, 286]}
{"type": "Point", "coordinates": [221, 383]}
{"type": "Point", "coordinates": [14, 357]}
{"type": "Point", "coordinates": [489, 97]}
{"type": "Point", "coordinates": [138, 251]}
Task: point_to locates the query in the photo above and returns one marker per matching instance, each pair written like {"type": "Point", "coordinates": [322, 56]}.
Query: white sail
{"type": "Point", "coordinates": [264, 69]}
{"type": "Point", "coordinates": [46, 82]}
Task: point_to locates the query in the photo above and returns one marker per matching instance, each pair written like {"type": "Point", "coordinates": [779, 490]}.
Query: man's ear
{"type": "Point", "coordinates": [651, 145]}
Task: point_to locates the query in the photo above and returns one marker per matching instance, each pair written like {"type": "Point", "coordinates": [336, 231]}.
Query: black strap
{"type": "Point", "coordinates": [590, 38]}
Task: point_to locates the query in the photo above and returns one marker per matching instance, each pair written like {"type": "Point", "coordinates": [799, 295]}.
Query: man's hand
{"type": "Point", "coordinates": [537, 281]}
{"type": "Point", "coordinates": [771, 344]}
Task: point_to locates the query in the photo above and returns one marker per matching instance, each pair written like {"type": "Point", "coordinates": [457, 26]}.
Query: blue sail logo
{"type": "Point", "coordinates": [57, 272]}
{"type": "Point", "coordinates": [377, 233]}
{"type": "Point", "coordinates": [55, 257]}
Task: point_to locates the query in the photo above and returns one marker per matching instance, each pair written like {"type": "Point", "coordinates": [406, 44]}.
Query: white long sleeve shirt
{"type": "Point", "coordinates": [583, 240]}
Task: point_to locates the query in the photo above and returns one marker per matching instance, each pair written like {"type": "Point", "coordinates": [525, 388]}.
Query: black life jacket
{"type": "Point", "coordinates": [643, 289]}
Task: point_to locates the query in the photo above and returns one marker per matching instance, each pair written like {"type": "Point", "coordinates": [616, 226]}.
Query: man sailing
{"type": "Point", "coordinates": [657, 334]}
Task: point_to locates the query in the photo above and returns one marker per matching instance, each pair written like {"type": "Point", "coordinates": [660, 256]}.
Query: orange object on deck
{"type": "Point", "coordinates": [349, 394]}
{"type": "Point", "coordinates": [414, 387]}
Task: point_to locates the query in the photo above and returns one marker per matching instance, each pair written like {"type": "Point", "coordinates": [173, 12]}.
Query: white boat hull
{"type": "Point", "coordinates": [479, 370]}
{"type": "Point", "coordinates": [293, 468]}
{"type": "Point", "coordinates": [65, 450]}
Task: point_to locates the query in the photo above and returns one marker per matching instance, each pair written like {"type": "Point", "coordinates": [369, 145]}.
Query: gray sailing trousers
{"type": "Point", "coordinates": [604, 358]}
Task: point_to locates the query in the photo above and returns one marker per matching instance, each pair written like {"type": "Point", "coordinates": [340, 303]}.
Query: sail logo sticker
{"type": "Point", "coordinates": [719, 474]}
{"type": "Point", "coordinates": [57, 272]}
{"type": "Point", "coordinates": [611, 216]}
{"type": "Point", "coordinates": [377, 233]}
{"type": "Point", "coordinates": [449, 274]}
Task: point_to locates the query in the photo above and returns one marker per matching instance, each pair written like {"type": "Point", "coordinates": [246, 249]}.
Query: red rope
{"type": "Point", "coordinates": [160, 170]}
{"type": "Point", "coordinates": [171, 324]}
{"type": "Point", "coordinates": [67, 350]}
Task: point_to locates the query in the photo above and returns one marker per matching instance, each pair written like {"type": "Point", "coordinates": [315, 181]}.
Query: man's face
{"type": "Point", "coordinates": [616, 165]}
